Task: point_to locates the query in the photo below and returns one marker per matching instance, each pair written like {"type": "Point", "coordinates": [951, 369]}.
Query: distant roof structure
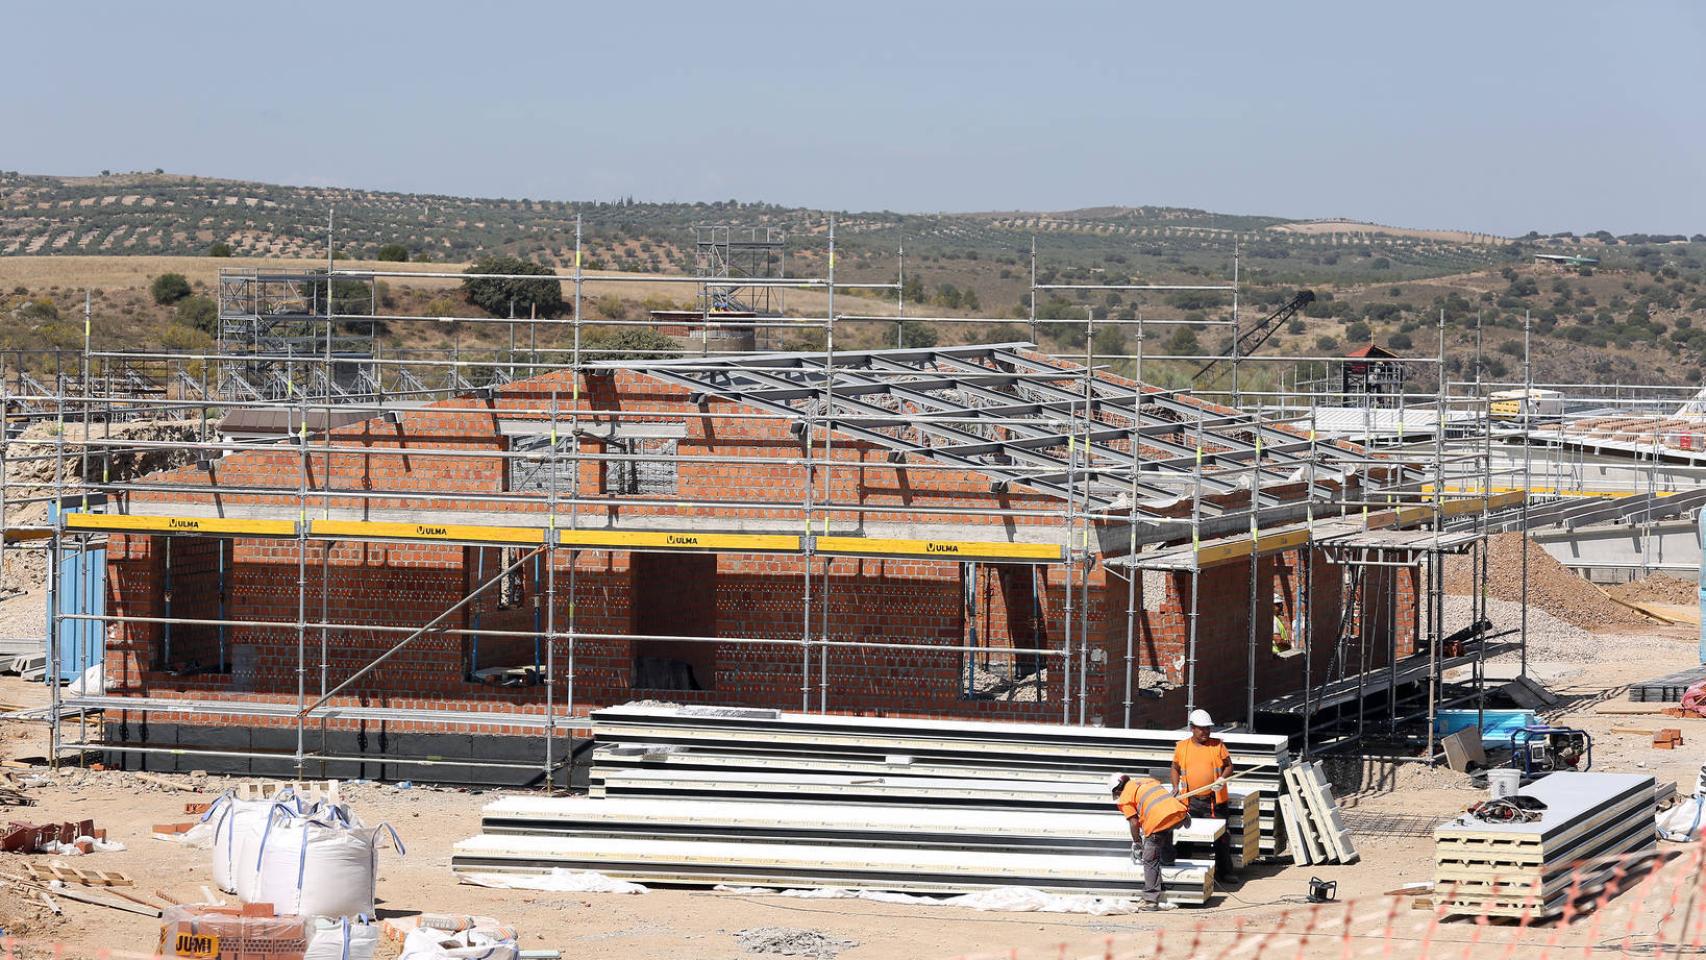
{"type": "Point", "coordinates": [1570, 259]}
{"type": "Point", "coordinates": [1371, 351]}
{"type": "Point", "coordinates": [992, 408]}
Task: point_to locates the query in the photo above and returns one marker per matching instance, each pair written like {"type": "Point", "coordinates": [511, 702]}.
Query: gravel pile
{"type": "Point", "coordinates": [1550, 639]}
{"type": "Point", "coordinates": [792, 942]}
{"type": "Point", "coordinates": [1657, 588]}
{"type": "Point", "coordinates": [1551, 585]}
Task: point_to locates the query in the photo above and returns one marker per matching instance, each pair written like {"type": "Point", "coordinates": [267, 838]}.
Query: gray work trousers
{"type": "Point", "coordinates": [1157, 849]}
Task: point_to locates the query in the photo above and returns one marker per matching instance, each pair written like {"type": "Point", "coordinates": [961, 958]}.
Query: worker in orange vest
{"type": "Point", "coordinates": [1153, 813]}
{"type": "Point", "coordinates": [1198, 761]}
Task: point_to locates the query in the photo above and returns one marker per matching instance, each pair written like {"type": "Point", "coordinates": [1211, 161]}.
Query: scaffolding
{"type": "Point", "coordinates": [1137, 480]}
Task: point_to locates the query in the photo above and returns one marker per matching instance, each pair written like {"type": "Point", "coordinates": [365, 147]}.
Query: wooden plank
{"type": "Point", "coordinates": [939, 549]}
{"type": "Point", "coordinates": [207, 526]}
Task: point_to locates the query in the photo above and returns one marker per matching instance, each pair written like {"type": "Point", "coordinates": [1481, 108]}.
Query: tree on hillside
{"type": "Point", "coordinates": [495, 295]}
{"type": "Point", "coordinates": [394, 253]}
{"type": "Point", "coordinates": [198, 312]}
{"type": "Point", "coordinates": [219, 249]}
{"type": "Point", "coordinates": [917, 333]}
{"type": "Point", "coordinates": [169, 288]}
{"type": "Point", "coordinates": [1182, 343]}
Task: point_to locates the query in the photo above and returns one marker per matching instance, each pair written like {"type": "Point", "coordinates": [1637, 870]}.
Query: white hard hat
{"type": "Point", "coordinates": [1200, 718]}
{"type": "Point", "coordinates": [1115, 779]}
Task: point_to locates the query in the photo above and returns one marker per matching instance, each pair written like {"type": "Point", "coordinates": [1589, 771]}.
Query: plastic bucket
{"type": "Point", "coordinates": [1503, 782]}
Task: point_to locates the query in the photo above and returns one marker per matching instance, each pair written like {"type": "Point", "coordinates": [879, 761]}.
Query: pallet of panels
{"type": "Point", "coordinates": [707, 863]}
{"type": "Point", "coordinates": [732, 738]}
{"type": "Point", "coordinates": [677, 768]}
{"type": "Point", "coordinates": [1593, 824]}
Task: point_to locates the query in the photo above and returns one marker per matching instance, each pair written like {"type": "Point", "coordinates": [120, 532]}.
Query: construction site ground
{"type": "Point", "coordinates": [701, 924]}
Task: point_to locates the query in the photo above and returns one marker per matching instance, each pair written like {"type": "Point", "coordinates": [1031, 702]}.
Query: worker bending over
{"type": "Point", "coordinates": [1154, 814]}
{"type": "Point", "coordinates": [1198, 761]}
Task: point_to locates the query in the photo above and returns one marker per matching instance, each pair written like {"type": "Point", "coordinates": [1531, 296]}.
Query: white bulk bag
{"type": "Point", "coordinates": [1681, 823]}
{"type": "Point", "coordinates": [344, 938]}
{"type": "Point", "coordinates": [319, 865]}
{"type": "Point", "coordinates": [472, 944]}
{"type": "Point", "coordinates": [237, 822]}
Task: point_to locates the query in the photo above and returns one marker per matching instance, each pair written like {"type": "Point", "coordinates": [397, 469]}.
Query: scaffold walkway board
{"type": "Point", "coordinates": [908, 869]}
{"type": "Point", "coordinates": [497, 535]}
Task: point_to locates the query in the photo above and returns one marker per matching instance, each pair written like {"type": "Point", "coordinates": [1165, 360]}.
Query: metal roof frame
{"type": "Point", "coordinates": [959, 405]}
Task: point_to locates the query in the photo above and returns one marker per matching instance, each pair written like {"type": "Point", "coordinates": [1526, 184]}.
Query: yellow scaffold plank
{"type": "Point", "coordinates": [945, 549]}
{"type": "Point", "coordinates": [138, 523]}
{"type": "Point", "coordinates": [1208, 556]}
{"type": "Point", "coordinates": [449, 532]}
{"type": "Point", "coordinates": [677, 540]}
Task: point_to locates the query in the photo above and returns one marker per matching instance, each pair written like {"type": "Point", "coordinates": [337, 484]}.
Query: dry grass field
{"type": "Point", "coordinates": [115, 274]}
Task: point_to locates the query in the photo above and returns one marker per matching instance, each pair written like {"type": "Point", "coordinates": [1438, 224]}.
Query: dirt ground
{"type": "Point", "coordinates": [702, 924]}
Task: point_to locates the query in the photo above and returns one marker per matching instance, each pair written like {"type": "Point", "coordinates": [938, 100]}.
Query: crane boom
{"type": "Point", "coordinates": [1249, 341]}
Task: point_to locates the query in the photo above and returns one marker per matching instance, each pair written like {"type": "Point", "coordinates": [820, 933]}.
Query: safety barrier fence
{"type": "Point", "coordinates": [1636, 906]}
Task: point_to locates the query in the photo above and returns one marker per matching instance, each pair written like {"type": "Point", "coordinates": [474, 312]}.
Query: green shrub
{"type": "Point", "coordinates": [169, 288]}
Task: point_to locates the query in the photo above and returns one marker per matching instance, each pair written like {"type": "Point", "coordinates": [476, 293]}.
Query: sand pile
{"type": "Point", "coordinates": [1551, 585]}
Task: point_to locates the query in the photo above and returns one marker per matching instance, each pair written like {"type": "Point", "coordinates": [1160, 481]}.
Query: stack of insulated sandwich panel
{"type": "Point", "coordinates": [696, 742]}
{"type": "Point", "coordinates": [1592, 823]}
{"type": "Point", "coordinates": [910, 849]}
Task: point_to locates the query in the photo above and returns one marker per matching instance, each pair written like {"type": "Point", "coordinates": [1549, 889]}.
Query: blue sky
{"type": "Point", "coordinates": [1504, 116]}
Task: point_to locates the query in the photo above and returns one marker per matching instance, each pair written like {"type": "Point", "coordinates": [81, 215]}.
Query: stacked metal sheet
{"type": "Point", "coordinates": [691, 741]}
{"type": "Point", "coordinates": [1592, 823]}
{"type": "Point", "coordinates": [927, 850]}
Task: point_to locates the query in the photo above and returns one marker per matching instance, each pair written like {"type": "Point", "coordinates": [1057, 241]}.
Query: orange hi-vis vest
{"type": "Point", "coordinates": [1154, 806]}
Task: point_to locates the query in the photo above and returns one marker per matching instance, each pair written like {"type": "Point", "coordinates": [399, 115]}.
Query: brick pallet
{"type": "Point", "coordinates": [1593, 822]}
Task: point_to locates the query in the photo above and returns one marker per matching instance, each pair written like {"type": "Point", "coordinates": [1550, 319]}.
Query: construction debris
{"type": "Point", "coordinates": [67, 839]}
{"type": "Point", "coordinates": [789, 942]}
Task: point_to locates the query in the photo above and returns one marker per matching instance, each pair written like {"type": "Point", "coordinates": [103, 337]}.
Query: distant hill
{"type": "Point", "coordinates": [1631, 317]}
{"type": "Point", "coordinates": [158, 213]}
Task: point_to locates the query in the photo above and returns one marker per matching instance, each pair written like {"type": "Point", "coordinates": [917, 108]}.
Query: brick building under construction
{"type": "Point", "coordinates": [977, 531]}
